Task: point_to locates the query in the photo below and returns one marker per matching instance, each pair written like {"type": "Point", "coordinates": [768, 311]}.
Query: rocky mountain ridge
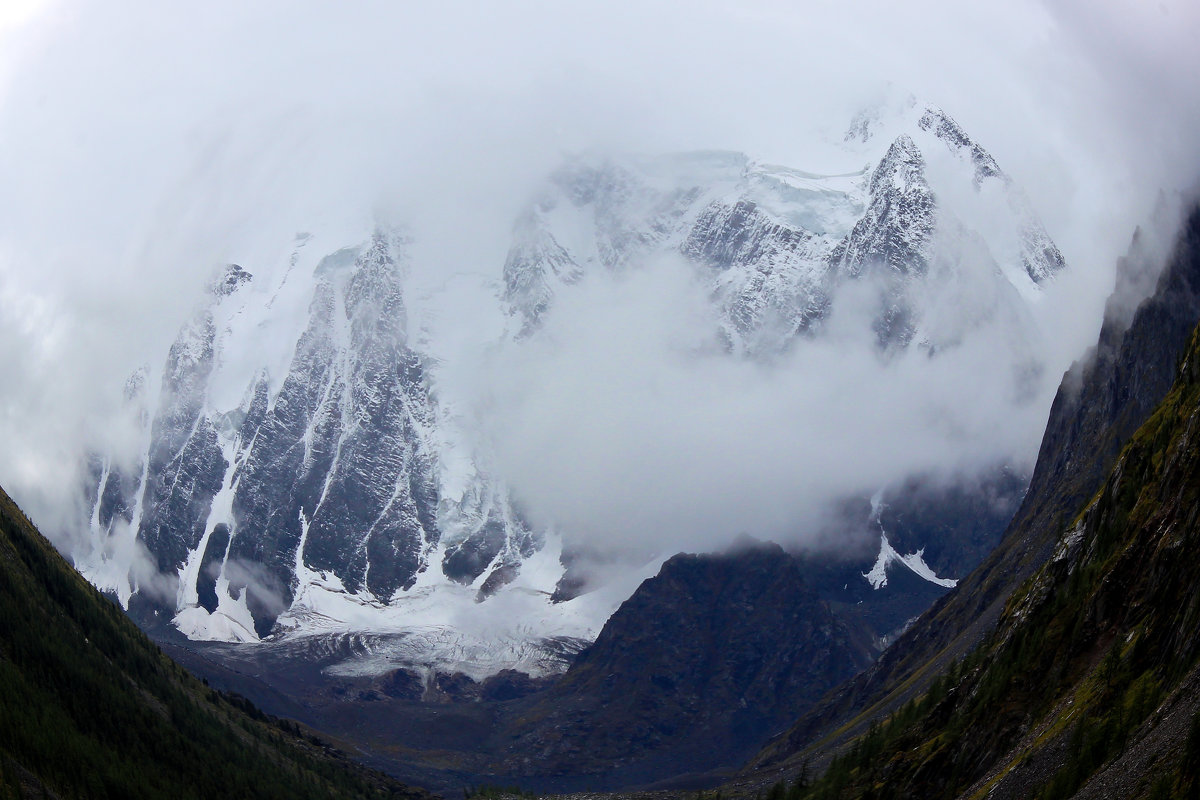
{"type": "Point", "coordinates": [773, 243]}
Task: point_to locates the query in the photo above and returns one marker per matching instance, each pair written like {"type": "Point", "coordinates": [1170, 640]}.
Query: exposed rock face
{"type": "Point", "coordinates": [337, 462]}
{"type": "Point", "coordinates": [535, 264]}
{"type": "Point", "coordinates": [892, 239]}
{"type": "Point", "coordinates": [326, 474]}
{"type": "Point", "coordinates": [692, 670]}
{"type": "Point", "coordinates": [763, 261]}
{"type": "Point", "coordinates": [774, 244]}
{"type": "Point", "coordinates": [492, 538]}
{"type": "Point", "coordinates": [894, 233]}
{"type": "Point", "coordinates": [185, 464]}
{"type": "Point", "coordinates": [1107, 395]}
{"type": "Point", "coordinates": [349, 432]}
{"type": "Point", "coordinates": [1039, 255]}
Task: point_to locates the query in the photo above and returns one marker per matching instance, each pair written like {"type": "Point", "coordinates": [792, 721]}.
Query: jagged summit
{"type": "Point", "coordinates": [316, 500]}
{"type": "Point", "coordinates": [775, 244]}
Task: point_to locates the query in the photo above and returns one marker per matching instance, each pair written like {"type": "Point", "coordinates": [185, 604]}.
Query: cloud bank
{"type": "Point", "coordinates": [622, 419]}
{"type": "Point", "coordinates": [143, 144]}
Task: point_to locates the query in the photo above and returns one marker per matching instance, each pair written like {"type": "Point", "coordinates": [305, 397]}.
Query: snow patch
{"type": "Point", "coordinates": [878, 574]}
{"type": "Point", "coordinates": [232, 620]}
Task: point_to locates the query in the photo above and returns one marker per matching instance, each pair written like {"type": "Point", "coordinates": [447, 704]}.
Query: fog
{"type": "Point", "coordinates": [144, 144]}
{"type": "Point", "coordinates": [624, 421]}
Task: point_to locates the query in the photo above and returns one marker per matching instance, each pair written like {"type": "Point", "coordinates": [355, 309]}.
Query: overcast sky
{"type": "Point", "coordinates": [143, 143]}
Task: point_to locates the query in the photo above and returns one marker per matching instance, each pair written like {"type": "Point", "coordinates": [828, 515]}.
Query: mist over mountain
{"type": "Point", "coordinates": [387, 363]}
{"type": "Point", "coordinates": [693, 345]}
{"type": "Point", "coordinates": [1050, 715]}
{"type": "Point", "coordinates": [191, 141]}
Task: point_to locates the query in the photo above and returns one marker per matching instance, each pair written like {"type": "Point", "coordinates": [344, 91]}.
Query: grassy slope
{"type": "Point", "coordinates": [89, 707]}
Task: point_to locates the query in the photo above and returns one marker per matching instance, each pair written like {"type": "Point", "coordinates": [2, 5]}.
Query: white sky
{"type": "Point", "coordinates": [143, 142]}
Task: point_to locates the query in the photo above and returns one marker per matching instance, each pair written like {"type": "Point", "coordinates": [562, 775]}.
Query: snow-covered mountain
{"type": "Point", "coordinates": [775, 243]}
{"type": "Point", "coordinates": [299, 471]}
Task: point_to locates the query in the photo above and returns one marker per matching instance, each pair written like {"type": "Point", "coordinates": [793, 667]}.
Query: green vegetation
{"type": "Point", "coordinates": [91, 708]}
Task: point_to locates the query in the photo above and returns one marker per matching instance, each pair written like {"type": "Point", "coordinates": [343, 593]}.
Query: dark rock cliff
{"type": "Point", "coordinates": [689, 674]}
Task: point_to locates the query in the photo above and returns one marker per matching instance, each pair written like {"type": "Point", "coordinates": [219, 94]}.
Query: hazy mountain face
{"type": "Point", "coordinates": [677, 349]}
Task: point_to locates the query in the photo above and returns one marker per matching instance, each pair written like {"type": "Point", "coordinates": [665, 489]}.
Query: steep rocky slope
{"type": "Point", "coordinates": [1100, 404]}
{"type": "Point", "coordinates": [1087, 686]}
{"type": "Point", "coordinates": [776, 245]}
{"type": "Point", "coordinates": [333, 462]}
{"type": "Point", "coordinates": [89, 707]}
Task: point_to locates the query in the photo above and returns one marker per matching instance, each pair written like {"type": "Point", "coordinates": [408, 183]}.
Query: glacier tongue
{"type": "Point", "coordinates": [439, 624]}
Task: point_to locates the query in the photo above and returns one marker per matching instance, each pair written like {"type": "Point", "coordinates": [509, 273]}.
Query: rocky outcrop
{"type": "Point", "coordinates": [339, 464]}
{"type": "Point", "coordinates": [894, 233]}
{"type": "Point", "coordinates": [689, 673]}
{"type": "Point", "coordinates": [1040, 257]}
{"type": "Point", "coordinates": [771, 294]}
{"type": "Point", "coordinates": [185, 464]}
{"type": "Point", "coordinates": [336, 463]}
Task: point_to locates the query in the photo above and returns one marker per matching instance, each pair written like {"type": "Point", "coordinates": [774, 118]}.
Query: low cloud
{"type": "Point", "coordinates": [624, 422]}
{"type": "Point", "coordinates": [264, 592]}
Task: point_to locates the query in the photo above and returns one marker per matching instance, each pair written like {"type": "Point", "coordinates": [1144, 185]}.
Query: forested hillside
{"type": "Point", "coordinates": [91, 708]}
